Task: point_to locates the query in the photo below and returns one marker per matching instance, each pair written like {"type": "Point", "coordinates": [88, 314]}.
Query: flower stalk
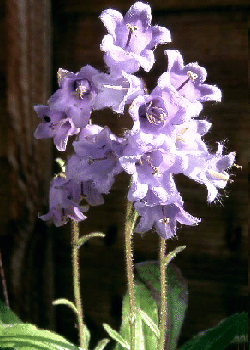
{"type": "Point", "coordinates": [76, 281]}
{"type": "Point", "coordinates": [129, 227]}
{"type": "Point", "coordinates": [163, 310]}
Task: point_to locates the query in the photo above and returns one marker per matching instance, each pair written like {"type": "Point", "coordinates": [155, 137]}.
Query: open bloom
{"type": "Point", "coordinates": [115, 91]}
{"type": "Point", "coordinates": [189, 80]}
{"type": "Point", "coordinates": [99, 151]}
{"type": "Point", "coordinates": [131, 38]}
{"type": "Point", "coordinates": [64, 202]}
{"type": "Point", "coordinates": [75, 95]}
{"type": "Point", "coordinates": [56, 125]}
{"type": "Point", "coordinates": [163, 218]}
{"type": "Point", "coordinates": [210, 170]}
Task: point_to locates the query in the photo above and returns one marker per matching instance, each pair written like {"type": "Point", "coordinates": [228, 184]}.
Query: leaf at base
{"type": "Point", "coordinates": [27, 336]}
{"type": "Point", "coordinates": [101, 344]}
{"type": "Point", "coordinates": [116, 336]}
{"type": "Point", "coordinates": [219, 337]}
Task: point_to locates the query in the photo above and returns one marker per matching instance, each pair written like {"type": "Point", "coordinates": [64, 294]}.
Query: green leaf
{"type": "Point", "coordinates": [28, 337]}
{"type": "Point", "coordinates": [7, 316]}
{"type": "Point", "coordinates": [101, 344]}
{"type": "Point", "coordinates": [176, 291]}
{"type": "Point", "coordinates": [116, 336]}
{"type": "Point", "coordinates": [219, 337]}
{"type": "Point", "coordinates": [66, 302]}
{"type": "Point", "coordinates": [149, 322]}
{"type": "Point", "coordinates": [85, 238]}
{"type": "Point", "coordinates": [173, 254]}
{"type": "Point", "coordinates": [86, 334]}
{"type": "Point", "coordinates": [71, 305]}
{"type": "Point", "coordinates": [145, 336]}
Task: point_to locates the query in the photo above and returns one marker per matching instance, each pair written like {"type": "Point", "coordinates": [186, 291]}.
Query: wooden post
{"type": "Point", "coordinates": [28, 26]}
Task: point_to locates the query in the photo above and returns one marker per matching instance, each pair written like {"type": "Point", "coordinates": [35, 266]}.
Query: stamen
{"type": "Point", "coordinates": [114, 87]}
{"type": "Point", "coordinates": [156, 115]}
{"type": "Point", "coordinates": [155, 169]}
{"type": "Point", "coordinates": [61, 163]}
{"type": "Point", "coordinates": [61, 74]}
{"type": "Point", "coordinates": [237, 166]}
{"type": "Point", "coordinates": [191, 76]}
{"type": "Point", "coordinates": [131, 31]}
{"type": "Point", "coordinates": [80, 92]}
{"type": "Point", "coordinates": [179, 136]}
{"type": "Point", "coordinates": [164, 221]}
{"type": "Point", "coordinates": [218, 176]}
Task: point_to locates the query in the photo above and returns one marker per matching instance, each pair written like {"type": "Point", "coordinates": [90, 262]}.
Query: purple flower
{"type": "Point", "coordinates": [163, 218]}
{"type": "Point", "coordinates": [152, 171]}
{"type": "Point", "coordinates": [76, 94]}
{"type": "Point", "coordinates": [116, 91]}
{"type": "Point", "coordinates": [64, 202]}
{"type": "Point", "coordinates": [87, 188]}
{"type": "Point", "coordinates": [189, 80]}
{"type": "Point", "coordinates": [189, 137]}
{"type": "Point", "coordinates": [210, 170]}
{"type": "Point", "coordinates": [99, 153]}
{"type": "Point", "coordinates": [131, 38]}
{"type": "Point", "coordinates": [159, 112]}
{"type": "Point", "coordinates": [55, 124]}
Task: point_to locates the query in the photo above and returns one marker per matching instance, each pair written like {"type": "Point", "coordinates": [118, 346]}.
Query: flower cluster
{"type": "Point", "coordinates": [166, 137]}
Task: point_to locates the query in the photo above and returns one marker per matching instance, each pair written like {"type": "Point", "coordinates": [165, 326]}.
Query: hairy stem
{"type": "Point", "coordinates": [129, 227]}
{"type": "Point", "coordinates": [163, 310]}
{"type": "Point", "coordinates": [76, 281]}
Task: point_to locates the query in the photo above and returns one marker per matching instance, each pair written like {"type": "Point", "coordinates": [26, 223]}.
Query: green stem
{"type": "Point", "coordinates": [163, 312]}
{"type": "Point", "coordinates": [76, 281]}
{"type": "Point", "coordinates": [129, 227]}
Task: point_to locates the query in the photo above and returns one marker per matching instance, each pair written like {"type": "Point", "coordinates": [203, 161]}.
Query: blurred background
{"type": "Point", "coordinates": [38, 37]}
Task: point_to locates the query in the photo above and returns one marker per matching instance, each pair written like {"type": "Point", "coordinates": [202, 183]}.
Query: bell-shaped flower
{"type": "Point", "coordinates": [87, 189]}
{"type": "Point", "coordinates": [189, 79]}
{"type": "Point", "coordinates": [64, 202]}
{"type": "Point", "coordinates": [163, 218]}
{"type": "Point", "coordinates": [116, 91]}
{"type": "Point", "coordinates": [210, 170]}
{"type": "Point", "coordinates": [131, 39]}
{"type": "Point", "coordinates": [99, 153]}
{"type": "Point", "coordinates": [189, 137]}
{"type": "Point", "coordinates": [76, 94]}
{"type": "Point", "coordinates": [56, 125]}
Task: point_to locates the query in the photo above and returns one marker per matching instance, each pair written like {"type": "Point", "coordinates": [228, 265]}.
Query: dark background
{"type": "Point", "coordinates": [38, 37]}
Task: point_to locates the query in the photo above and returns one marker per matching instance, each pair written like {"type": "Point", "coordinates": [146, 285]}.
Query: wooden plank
{"type": "Point", "coordinates": [74, 6]}
{"type": "Point", "coordinates": [28, 83]}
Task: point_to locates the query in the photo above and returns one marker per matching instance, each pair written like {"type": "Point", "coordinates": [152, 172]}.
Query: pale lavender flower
{"type": "Point", "coordinates": [163, 218]}
{"type": "Point", "coordinates": [117, 91]}
{"type": "Point", "coordinates": [189, 80]}
{"type": "Point", "coordinates": [55, 125]}
{"type": "Point", "coordinates": [85, 187]}
{"type": "Point", "coordinates": [131, 39]}
{"type": "Point", "coordinates": [76, 94]}
{"type": "Point", "coordinates": [64, 202]}
{"type": "Point", "coordinates": [210, 170]}
{"type": "Point", "coordinates": [99, 153]}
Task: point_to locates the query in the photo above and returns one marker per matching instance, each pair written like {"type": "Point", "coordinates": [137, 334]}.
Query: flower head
{"type": "Point", "coordinates": [189, 80]}
{"type": "Point", "coordinates": [99, 151]}
{"type": "Point", "coordinates": [131, 38]}
{"type": "Point", "coordinates": [64, 202]}
{"type": "Point", "coordinates": [163, 218]}
{"type": "Point", "coordinates": [75, 95]}
{"type": "Point", "coordinates": [56, 125]}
